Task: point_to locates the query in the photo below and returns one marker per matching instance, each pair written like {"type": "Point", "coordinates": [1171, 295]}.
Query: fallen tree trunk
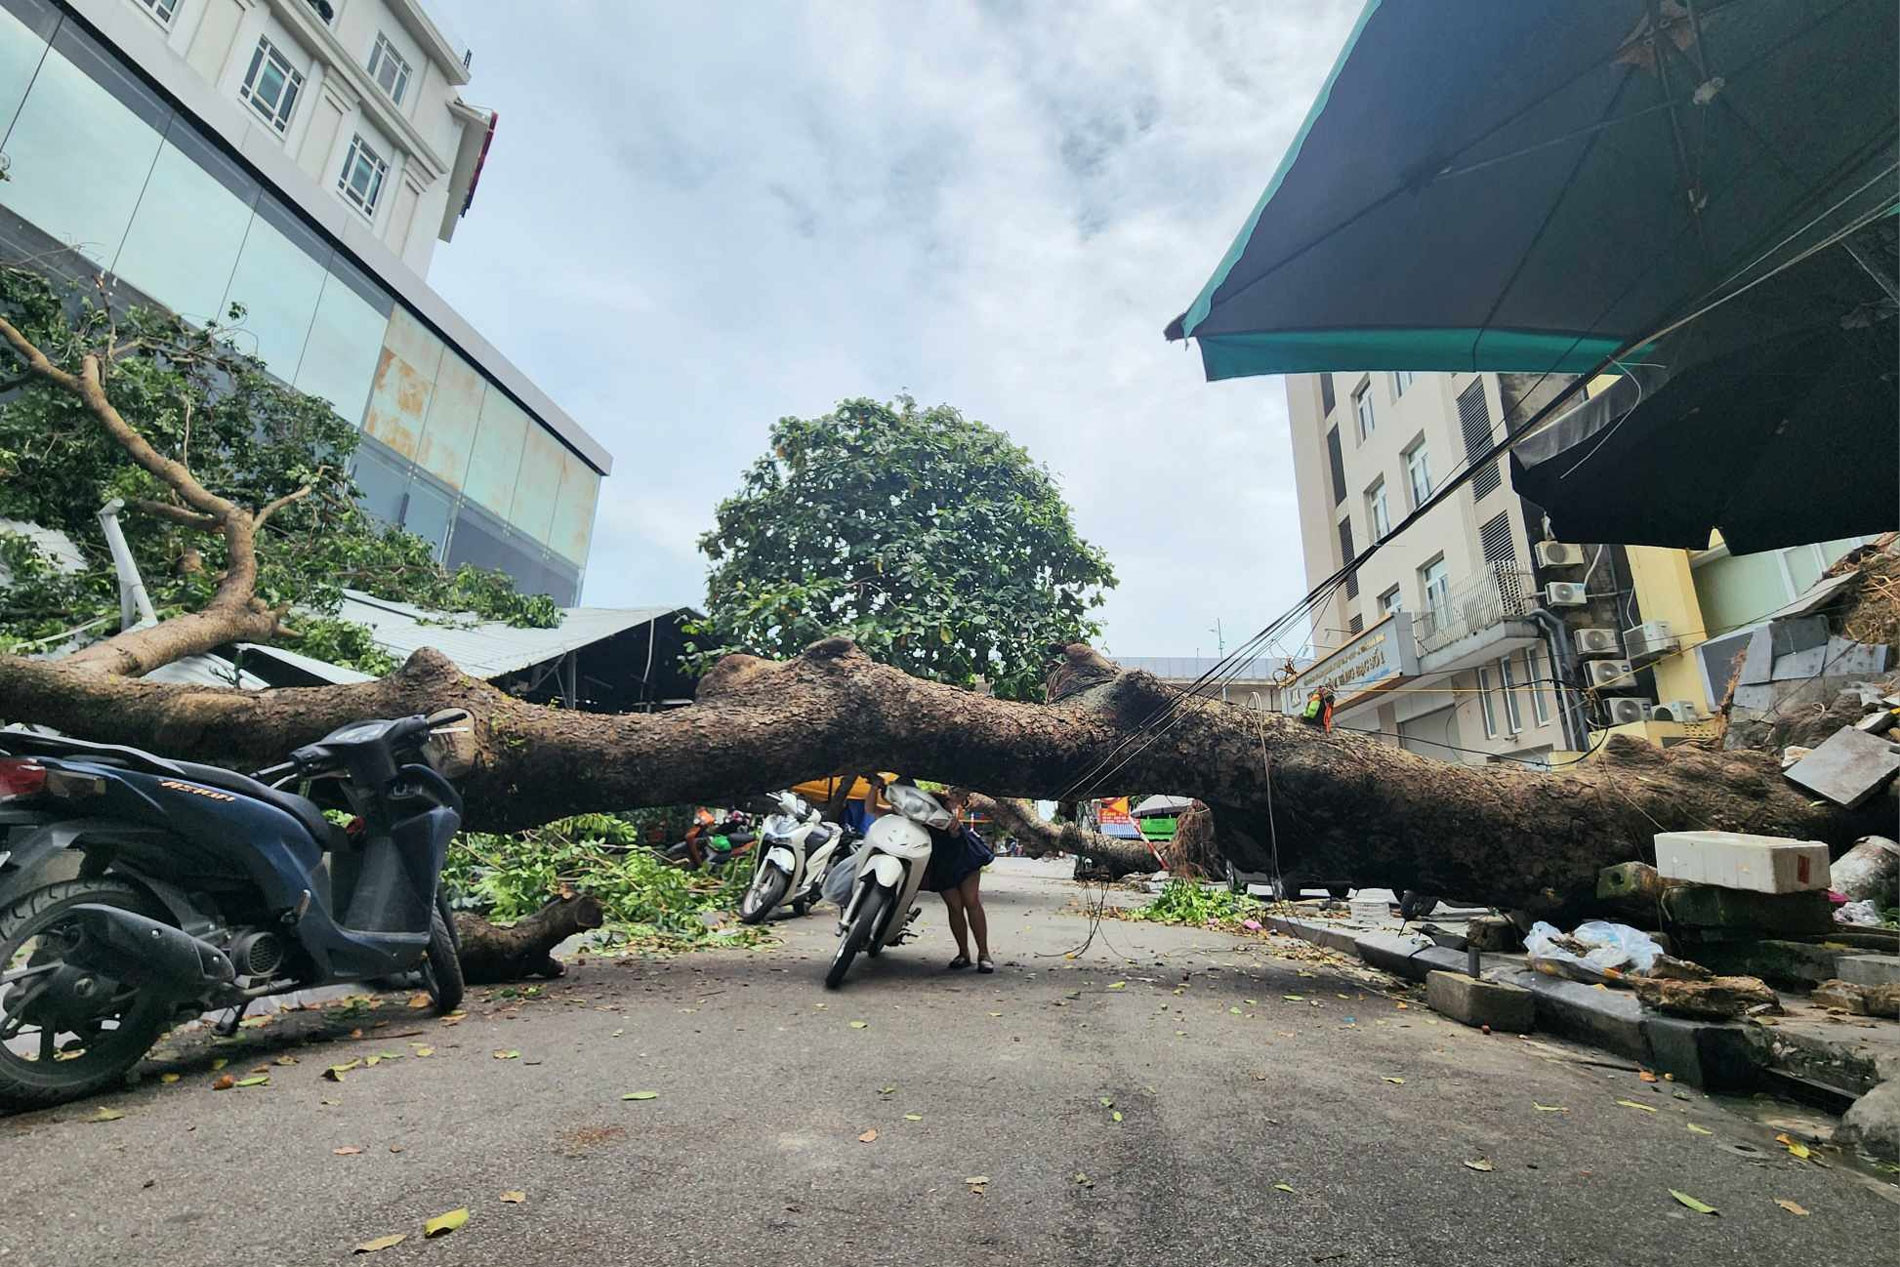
{"type": "Point", "coordinates": [1341, 803]}
{"type": "Point", "coordinates": [1039, 837]}
{"type": "Point", "coordinates": [491, 953]}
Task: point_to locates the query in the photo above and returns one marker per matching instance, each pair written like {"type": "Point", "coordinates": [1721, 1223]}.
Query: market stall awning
{"type": "Point", "coordinates": [1532, 186]}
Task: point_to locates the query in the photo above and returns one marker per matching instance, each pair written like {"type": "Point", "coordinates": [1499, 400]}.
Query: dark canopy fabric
{"type": "Point", "coordinates": [1775, 419]}
{"type": "Point", "coordinates": [1529, 186]}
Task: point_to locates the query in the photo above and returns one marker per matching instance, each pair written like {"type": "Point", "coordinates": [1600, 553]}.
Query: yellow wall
{"type": "Point", "coordinates": [1665, 590]}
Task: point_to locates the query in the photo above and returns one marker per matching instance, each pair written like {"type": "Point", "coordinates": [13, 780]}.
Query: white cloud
{"type": "Point", "coordinates": [697, 219]}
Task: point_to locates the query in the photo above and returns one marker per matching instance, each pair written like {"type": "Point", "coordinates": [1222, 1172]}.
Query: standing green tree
{"type": "Point", "coordinates": [928, 538]}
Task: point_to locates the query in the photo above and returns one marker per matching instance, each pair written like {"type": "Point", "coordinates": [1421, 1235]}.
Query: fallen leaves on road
{"type": "Point", "coordinates": [105, 1115]}
{"type": "Point", "coordinates": [1234, 1011]}
{"type": "Point", "coordinates": [219, 1063]}
{"type": "Point", "coordinates": [869, 1137]}
{"type": "Point", "coordinates": [168, 1078]}
{"type": "Point", "coordinates": [223, 1082]}
{"type": "Point", "coordinates": [419, 1001]}
{"type": "Point", "coordinates": [1646, 1075]}
{"type": "Point", "coordinates": [335, 1072]}
{"type": "Point", "coordinates": [1794, 1146]}
{"type": "Point", "coordinates": [890, 1090]}
{"type": "Point", "coordinates": [1108, 1102]}
{"type": "Point", "coordinates": [978, 1184]}
{"type": "Point", "coordinates": [1483, 1163]}
{"type": "Point", "coordinates": [993, 1015]}
{"type": "Point", "coordinates": [1683, 1198]}
{"type": "Point", "coordinates": [380, 1243]}
{"type": "Point", "coordinates": [348, 1150]}
{"type": "Point", "coordinates": [1086, 1182]}
{"type": "Point", "coordinates": [1699, 1130]}
{"type": "Point", "coordinates": [1294, 998]}
{"type": "Point", "coordinates": [1115, 1116]}
{"type": "Point", "coordinates": [860, 1025]}
{"type": "Point", "coordinates": [1549, 1108]}
{"type": "Point", "coordinates": [259, 1080]}
{"type": "Point", "coordinates": [443, 1224]}
{"type": "Point", "coordinates": [507, 1055]}
{"type": "Point", "coordinates": [285, 1060]}
{"type": "Point", "coordinates": [913, 1117]}
{"type": "Point", "coordinates": [513, 1198]}
{"type": "Point", "coordinates": [1397, 1082]}
{"type": "Point", "coordinates": [423, 1053]}
{"type": "Point", "coordinates": [1637, 1104]}
{"type": "Point", "coordinates": [1792, 1207]}
{"type": "Point", "coordinates": [1283, 1187]}
{"type": "Point", "coordinates": [641, 1095]}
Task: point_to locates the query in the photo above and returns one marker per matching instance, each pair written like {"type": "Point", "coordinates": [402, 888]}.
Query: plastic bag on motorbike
{"type": "Point", "coordinates": [837, 885]}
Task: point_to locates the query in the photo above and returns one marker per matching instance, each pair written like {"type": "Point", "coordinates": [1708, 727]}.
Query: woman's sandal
{"type": "Point", "coordinates": [985, 965]}
{"type": "Point", "coordinates": [958, 964]}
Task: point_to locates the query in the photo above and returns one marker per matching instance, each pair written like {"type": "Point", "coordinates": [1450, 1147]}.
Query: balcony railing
{"type": "Point", "coordinates": [1499, 593]}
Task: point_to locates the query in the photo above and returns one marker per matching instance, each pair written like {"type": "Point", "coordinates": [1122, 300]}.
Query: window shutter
{"type": "Point", "coordinates": [1346, 550]}
{"type": "Point", "coordinates": [1474, 420]}
{"type": "Point", "coordinates": [1337, 459]}
{"type": "Point", "coordinates": [1495, 536]}
{"type": "Point", "coordinates": [1357, 625]}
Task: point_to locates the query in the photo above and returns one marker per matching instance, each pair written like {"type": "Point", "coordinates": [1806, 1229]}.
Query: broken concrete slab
{"type": "Point", "coordinates": [1870, 970]}
{"type": "Point", "coordinates": [1799, 633]}
{"type": "Point", "coordinates": [1705, 906]}
{"type": "Point", "coordinates": [1717, 999]}
{"type": "Point", "coordinates": [1758, 663]}
{"type": "Point", "coordinates": [1849, 769]}
{"type": "Point", "coordinates": [1844, 996]}
{"type": "Point", "coordinates": [1476, 1002]}
{"type": "Point", "coordinates": [1803, 965]}
{"type": "Point", "coordinates": [1878, 723]}
{"type": "Point", "coordinates": [1734, 860]}
{"type": "Point", "coordinates": [1872, 1124]}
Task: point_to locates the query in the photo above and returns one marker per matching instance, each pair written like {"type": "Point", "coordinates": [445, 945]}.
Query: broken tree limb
{"type": "Point", "coordinates": [492, 953]}
{"type": "Point", "coordinates": [1342, 803]}
{"type": "Point", "coordinates": [1040, 838]}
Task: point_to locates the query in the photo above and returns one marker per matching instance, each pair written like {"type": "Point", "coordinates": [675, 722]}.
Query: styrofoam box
{"type": "Point", "coordinates": [1731, 860]}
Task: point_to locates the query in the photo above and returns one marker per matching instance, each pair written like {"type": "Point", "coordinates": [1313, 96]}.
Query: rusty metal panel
{"type": "Point", "coordinates": [455, 410]}
{"type": "Point", "coordinates": [574, 512]}
{"type": "Point", "coordinates": [405, 380]}
{"type": "Point", "coordinates": [496, 459]}
{"type": "Point", "coordinates": [539, 485]}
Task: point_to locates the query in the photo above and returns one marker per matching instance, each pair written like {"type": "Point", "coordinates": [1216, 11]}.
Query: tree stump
{"type": "Point", "coordinates": [491, 953]}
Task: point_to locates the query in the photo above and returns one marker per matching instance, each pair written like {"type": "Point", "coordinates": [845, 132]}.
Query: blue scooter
{"type": "Point", "coordinates": [137, 891]}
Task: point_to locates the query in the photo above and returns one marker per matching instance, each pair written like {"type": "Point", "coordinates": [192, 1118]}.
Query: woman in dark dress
{"type": "Point", "coordinates": [957, 858]}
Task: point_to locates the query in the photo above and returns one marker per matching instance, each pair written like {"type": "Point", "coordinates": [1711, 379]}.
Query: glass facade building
{"type": "Point", "coordinates": [106, 174]}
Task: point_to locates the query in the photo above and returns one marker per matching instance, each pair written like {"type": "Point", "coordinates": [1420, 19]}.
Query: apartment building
{"type": "Point", "coordinates": [1435, 645]}
{"type": "Point", "coordinates": [300, 159]}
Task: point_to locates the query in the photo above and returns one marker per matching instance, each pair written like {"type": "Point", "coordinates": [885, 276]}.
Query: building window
{"type": "Point", "coordinates": [1495, 538]}
{"type": "Point", "coordinates": [1512, 716]}
{"type": "Point", "coordinates": [1362, 410]}
{"type": "Point", "coordinates": [1418, 473]}
{"type": "Point", "coordinates": [1348, 554]}
{"type": "Point", "coordinates": [1326, 398]}
{"type": "Point", "coordinates": [1402, 379]}
{"type": "Point", "coordinates": [1540, 699]}
{"type": "Point", "coordinates": [1390, 601]}
{"type": "Point", "coordinates": [1436, 584]}
{"type": "Point", "coordinates": [1376, 511]}
{"type": "Point", "coordinates": [271, 84]}
{"type": "Point", "coordinates": [162, 11]}
{"type": "Point", "coordinates": [362, 179]}
{"type": "Point", "coordinates": [1485, 705]}
{"type": "Point", "coordinates": [1474, 422]}
{"type": "Point", "coordinates": [1336, 462]}
{"type": "Point", "coordinates": [389, 69]}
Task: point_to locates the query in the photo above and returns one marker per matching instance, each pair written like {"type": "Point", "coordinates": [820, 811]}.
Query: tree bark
{"type": "Point", "coordinates": [1343, 804]}
{"type": "Point", "coordinates": [491, 953]}
{"type": "Point", "coordinates": [1040, 838]}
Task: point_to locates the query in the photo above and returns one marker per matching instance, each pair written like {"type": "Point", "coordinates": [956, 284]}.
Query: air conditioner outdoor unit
{"type": "Point", "coordinates": [1608, 672]}
{"type": "Point", "coordinates": [1597, 641]}
{"type": "Point", "coordinates": [1564, 594]}
{"type": "Point", "coordinates": [1650, 640]}
{"type": "Point", "coordinates": [1559, 554]}
{"type": "Point", "coordinates": [1627, 708]}
{"type": "Point", "coordinates": [1676, 710]}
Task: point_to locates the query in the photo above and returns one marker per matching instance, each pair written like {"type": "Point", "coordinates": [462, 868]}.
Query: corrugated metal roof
{"type": "Point", "coordinates": [488, 649]}
{"type": "Point", "coordinates": [323, 669]}
{"type": "Point", "coordinates": [205, 670]}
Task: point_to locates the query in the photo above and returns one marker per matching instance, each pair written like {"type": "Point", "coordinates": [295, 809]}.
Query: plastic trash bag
{"type": "Point", "coordinates": [1598, 951]}
{"type": "Point", "coordinates": [1861, 912]}
{"type": "Point", "coordinates": [843, 870]}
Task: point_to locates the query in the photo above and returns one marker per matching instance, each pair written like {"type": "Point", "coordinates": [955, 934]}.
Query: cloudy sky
{"type": "Point", "coordinates": [699, 218]}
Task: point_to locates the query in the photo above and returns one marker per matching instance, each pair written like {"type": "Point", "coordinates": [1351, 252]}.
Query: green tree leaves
{"type": "Point", "coordinates": [929, 539]}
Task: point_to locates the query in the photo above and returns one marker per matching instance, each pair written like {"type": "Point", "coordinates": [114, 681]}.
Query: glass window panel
{"type": "Point", "coordinates": [574, 512]}
{"type": "Point", "coordinates": [278, 283]}
{"type": "Point", "coordinates": [184, 240]}
{"type": "Point", "coordinates": [380, 481]}
{"type": "Point", "coordinates": [538, 486]}
{"type": "Point", "coordinates": [428, 513]}
{"type": "Point", "coordinates": [482, 541]}
{"type": "Point", "coordinates": [79, 151]}
{"type": "Point", "coordinates": [497, 457]}
{"type": "Point", "coordinates": [400, 397]}
{"type": "Point", "coordinates": [455, 410]}
{"type": "Point", "coordinates": [25, 27]}
{"type": "Point", "coordinates": [346, 342]}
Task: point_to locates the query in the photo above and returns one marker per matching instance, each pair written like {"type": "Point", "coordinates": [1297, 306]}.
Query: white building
{"type": "Point", "coordinates": [300, 159]}
{"type": "Point", "coordinates": [1433, 644]}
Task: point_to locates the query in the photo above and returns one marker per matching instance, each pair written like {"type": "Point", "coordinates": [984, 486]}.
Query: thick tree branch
{"type": "Point", "coordinates": [177, 514]}
{"type": "Point", "coordinates": [1039, 837]}
{"type": "Point", "coordinates": [36, 360]}
{"type": "Point", "coordinates": [1342, 804]}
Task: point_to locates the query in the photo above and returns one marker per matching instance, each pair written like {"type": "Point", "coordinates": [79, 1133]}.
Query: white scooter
{"type": "Point", "coordinates": [890, 870]}
{"type": "Point", "coordinates": [796, 847]}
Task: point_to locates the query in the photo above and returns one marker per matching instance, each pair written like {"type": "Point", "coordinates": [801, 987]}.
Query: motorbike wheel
{"type": "Point", "coordinates": [56, 1047]}
{"type": "Point", "coordinates": [442, 966]}
{"type": "Point", "coordinates": [858, 936]}
{"type": "Point", "coordinates": [763, 895]}
{"type": "Point", "coordinates": [799, 908]}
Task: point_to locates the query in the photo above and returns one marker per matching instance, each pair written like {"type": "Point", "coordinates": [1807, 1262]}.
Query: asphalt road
{"type": "Point", "coordinates": [1227, 1087]}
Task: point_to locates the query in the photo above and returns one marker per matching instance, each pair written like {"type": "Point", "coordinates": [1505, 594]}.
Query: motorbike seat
{"type": "Point", "coordinates": [305, 811]}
